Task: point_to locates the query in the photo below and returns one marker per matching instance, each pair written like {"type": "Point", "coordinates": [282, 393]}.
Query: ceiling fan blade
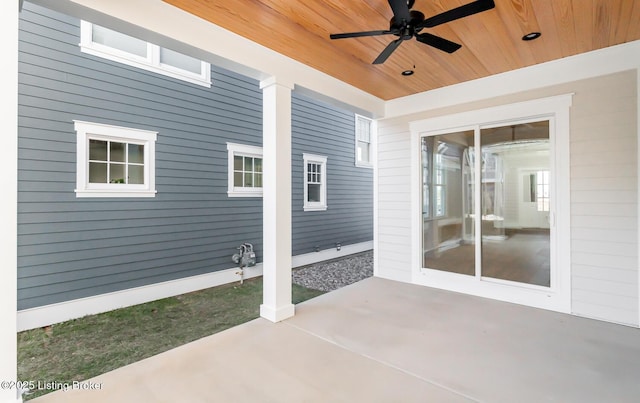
{"type": "Point", "coordinates": [437, 42]}
{"type": "Point", "coordinates": [400, 10]}
{"type": "Point", "coordinates": [358, 34]}
{"type": "Point", "coordinates": [388, 51]}
{"type": "Point", "coordinates": [458, 12]}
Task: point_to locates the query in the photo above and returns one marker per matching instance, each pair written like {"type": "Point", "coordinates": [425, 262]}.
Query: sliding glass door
{"type": "Point", "coordinates": [515, 202]}
{"type": "Point", "coordinates": [486, 210]}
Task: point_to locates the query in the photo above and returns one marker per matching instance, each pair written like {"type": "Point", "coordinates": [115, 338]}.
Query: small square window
{"type": "Point", "coordinates": [114, 161]}
{"type": "Point", "coordinates": [245, 170]}
{"type": "Point", "coordinates": [315, 183]}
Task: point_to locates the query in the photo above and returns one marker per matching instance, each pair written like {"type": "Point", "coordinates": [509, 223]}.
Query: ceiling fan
{"type": "Point", "coordinates": [407, 23]}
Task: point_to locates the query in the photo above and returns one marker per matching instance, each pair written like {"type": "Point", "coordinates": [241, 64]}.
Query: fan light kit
{"type": "Point", "coordinates": [407, 73]}
{"type": "Point", "coordinates": [407, 23]}
{"type": "Point", "coordinates": [531, 36]}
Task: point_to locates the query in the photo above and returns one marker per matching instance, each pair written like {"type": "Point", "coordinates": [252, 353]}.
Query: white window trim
{"type": "Point", "coordinates": [372, 127]}
{"type": "Point", "coordinates": [99, 131]}
{"type": "Point", "coordinates": [149, 63]}
{"type": "Point", "coordinates": [322, 204]}
{"type": "Point", "coordinates": [247, 151]}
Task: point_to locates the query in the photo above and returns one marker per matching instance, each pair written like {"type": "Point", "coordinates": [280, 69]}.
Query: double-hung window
{"type": "Point", "coordinates": [245, 170]}
{"type": "Point", "coordinates": [315, 182]}
{"type": "Point", "coordinates": [363, 141]}
{"type": "Point", "coordinates": [114, 161]}
{"type": "Point", "coordinates": [116, 46]}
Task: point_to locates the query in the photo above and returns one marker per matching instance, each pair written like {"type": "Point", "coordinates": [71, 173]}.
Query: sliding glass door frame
{"type": "Point", "coordinates": [557, 296]}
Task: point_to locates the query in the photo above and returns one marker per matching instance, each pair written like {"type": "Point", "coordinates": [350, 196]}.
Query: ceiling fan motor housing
{"type": "Point", "coordinates": [407, 29]}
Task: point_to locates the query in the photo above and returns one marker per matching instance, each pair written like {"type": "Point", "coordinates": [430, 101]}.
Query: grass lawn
{"type": "Point", "coordinates": [83, 348]}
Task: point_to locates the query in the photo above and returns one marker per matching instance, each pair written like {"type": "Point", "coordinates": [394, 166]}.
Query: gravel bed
{"type": "Point", "coordinates": [333, 274]}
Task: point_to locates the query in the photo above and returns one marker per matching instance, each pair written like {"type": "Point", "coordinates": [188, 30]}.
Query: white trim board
{"type": "Point", "coordinates": [376, 172]}
{"type": "Point", "coordinates": [55, 313]}
{"type": "Point", "coordinates": [77, 308]}
{"type": "Point", "coordinates": [327, 254]}
{"type": "Point", "coordinates": [573, 68]}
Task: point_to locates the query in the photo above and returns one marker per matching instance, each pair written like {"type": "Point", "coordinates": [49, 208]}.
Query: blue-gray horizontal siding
{"type": "Point", "coordinates": [72, 248]}
{"type": "Point", "coordinates": [322, 129]}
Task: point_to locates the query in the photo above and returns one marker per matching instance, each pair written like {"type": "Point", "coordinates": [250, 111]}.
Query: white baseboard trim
{"type": "Point", "coordinates": [328, 254]}
{"type": "Point", "coordinates": [55, 313]}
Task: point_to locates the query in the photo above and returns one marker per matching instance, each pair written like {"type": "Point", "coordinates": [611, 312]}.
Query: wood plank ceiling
{"type": "Point", "coordinates": [491, 41]}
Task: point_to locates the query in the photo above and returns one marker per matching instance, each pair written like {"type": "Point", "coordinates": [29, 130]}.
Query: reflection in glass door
{"type": "Point", "coordinates": [447, 203]}
{"type": "Point", "coordinates": [508, 180]}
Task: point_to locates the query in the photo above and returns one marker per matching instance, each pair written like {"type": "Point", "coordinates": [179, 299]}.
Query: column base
{"type": "Point", "coordinates": [277, 314]}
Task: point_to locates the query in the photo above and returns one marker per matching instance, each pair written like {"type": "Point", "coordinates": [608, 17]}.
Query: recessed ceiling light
{"type": "Point", "coordinates": [407, 72]}
{"type": "Point", "coordinates": [531, 36]}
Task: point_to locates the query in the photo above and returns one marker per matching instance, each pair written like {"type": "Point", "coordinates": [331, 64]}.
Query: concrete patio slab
{"type": "Point", "coordinates": [489, 350]}
{"type": "Point", "coordinates": [384, 341]}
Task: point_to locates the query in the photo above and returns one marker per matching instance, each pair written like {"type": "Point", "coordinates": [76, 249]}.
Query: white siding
{"type": "Point", "coordinates": [394, 203]}
{"type": "Point", "coordinates": [604, 200]}
{"type": "Point", "coordinates": [604, 192]}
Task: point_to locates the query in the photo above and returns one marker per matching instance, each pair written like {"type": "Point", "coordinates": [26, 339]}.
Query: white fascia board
{"type": "Point", "coordinates": [164, 25]}
{"type": "Point", "coordinates": [586, 65]}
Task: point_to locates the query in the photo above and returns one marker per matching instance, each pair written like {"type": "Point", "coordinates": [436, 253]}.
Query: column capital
{"type": "Point", "coordinates": [273, 80]}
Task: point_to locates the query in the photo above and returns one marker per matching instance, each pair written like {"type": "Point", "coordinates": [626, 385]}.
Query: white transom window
{"type": "Point", "coordinates": [114, 161]}
{"type": "Point", "coordinates": [109, 44]}
{"type": "Point", "coordinates": [315, 182]}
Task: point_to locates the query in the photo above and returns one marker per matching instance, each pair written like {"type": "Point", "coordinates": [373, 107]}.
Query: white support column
{"type": "Point", "coordinates": [276, 210]}
{"type": "Point", "coordinates": [9, 203]}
